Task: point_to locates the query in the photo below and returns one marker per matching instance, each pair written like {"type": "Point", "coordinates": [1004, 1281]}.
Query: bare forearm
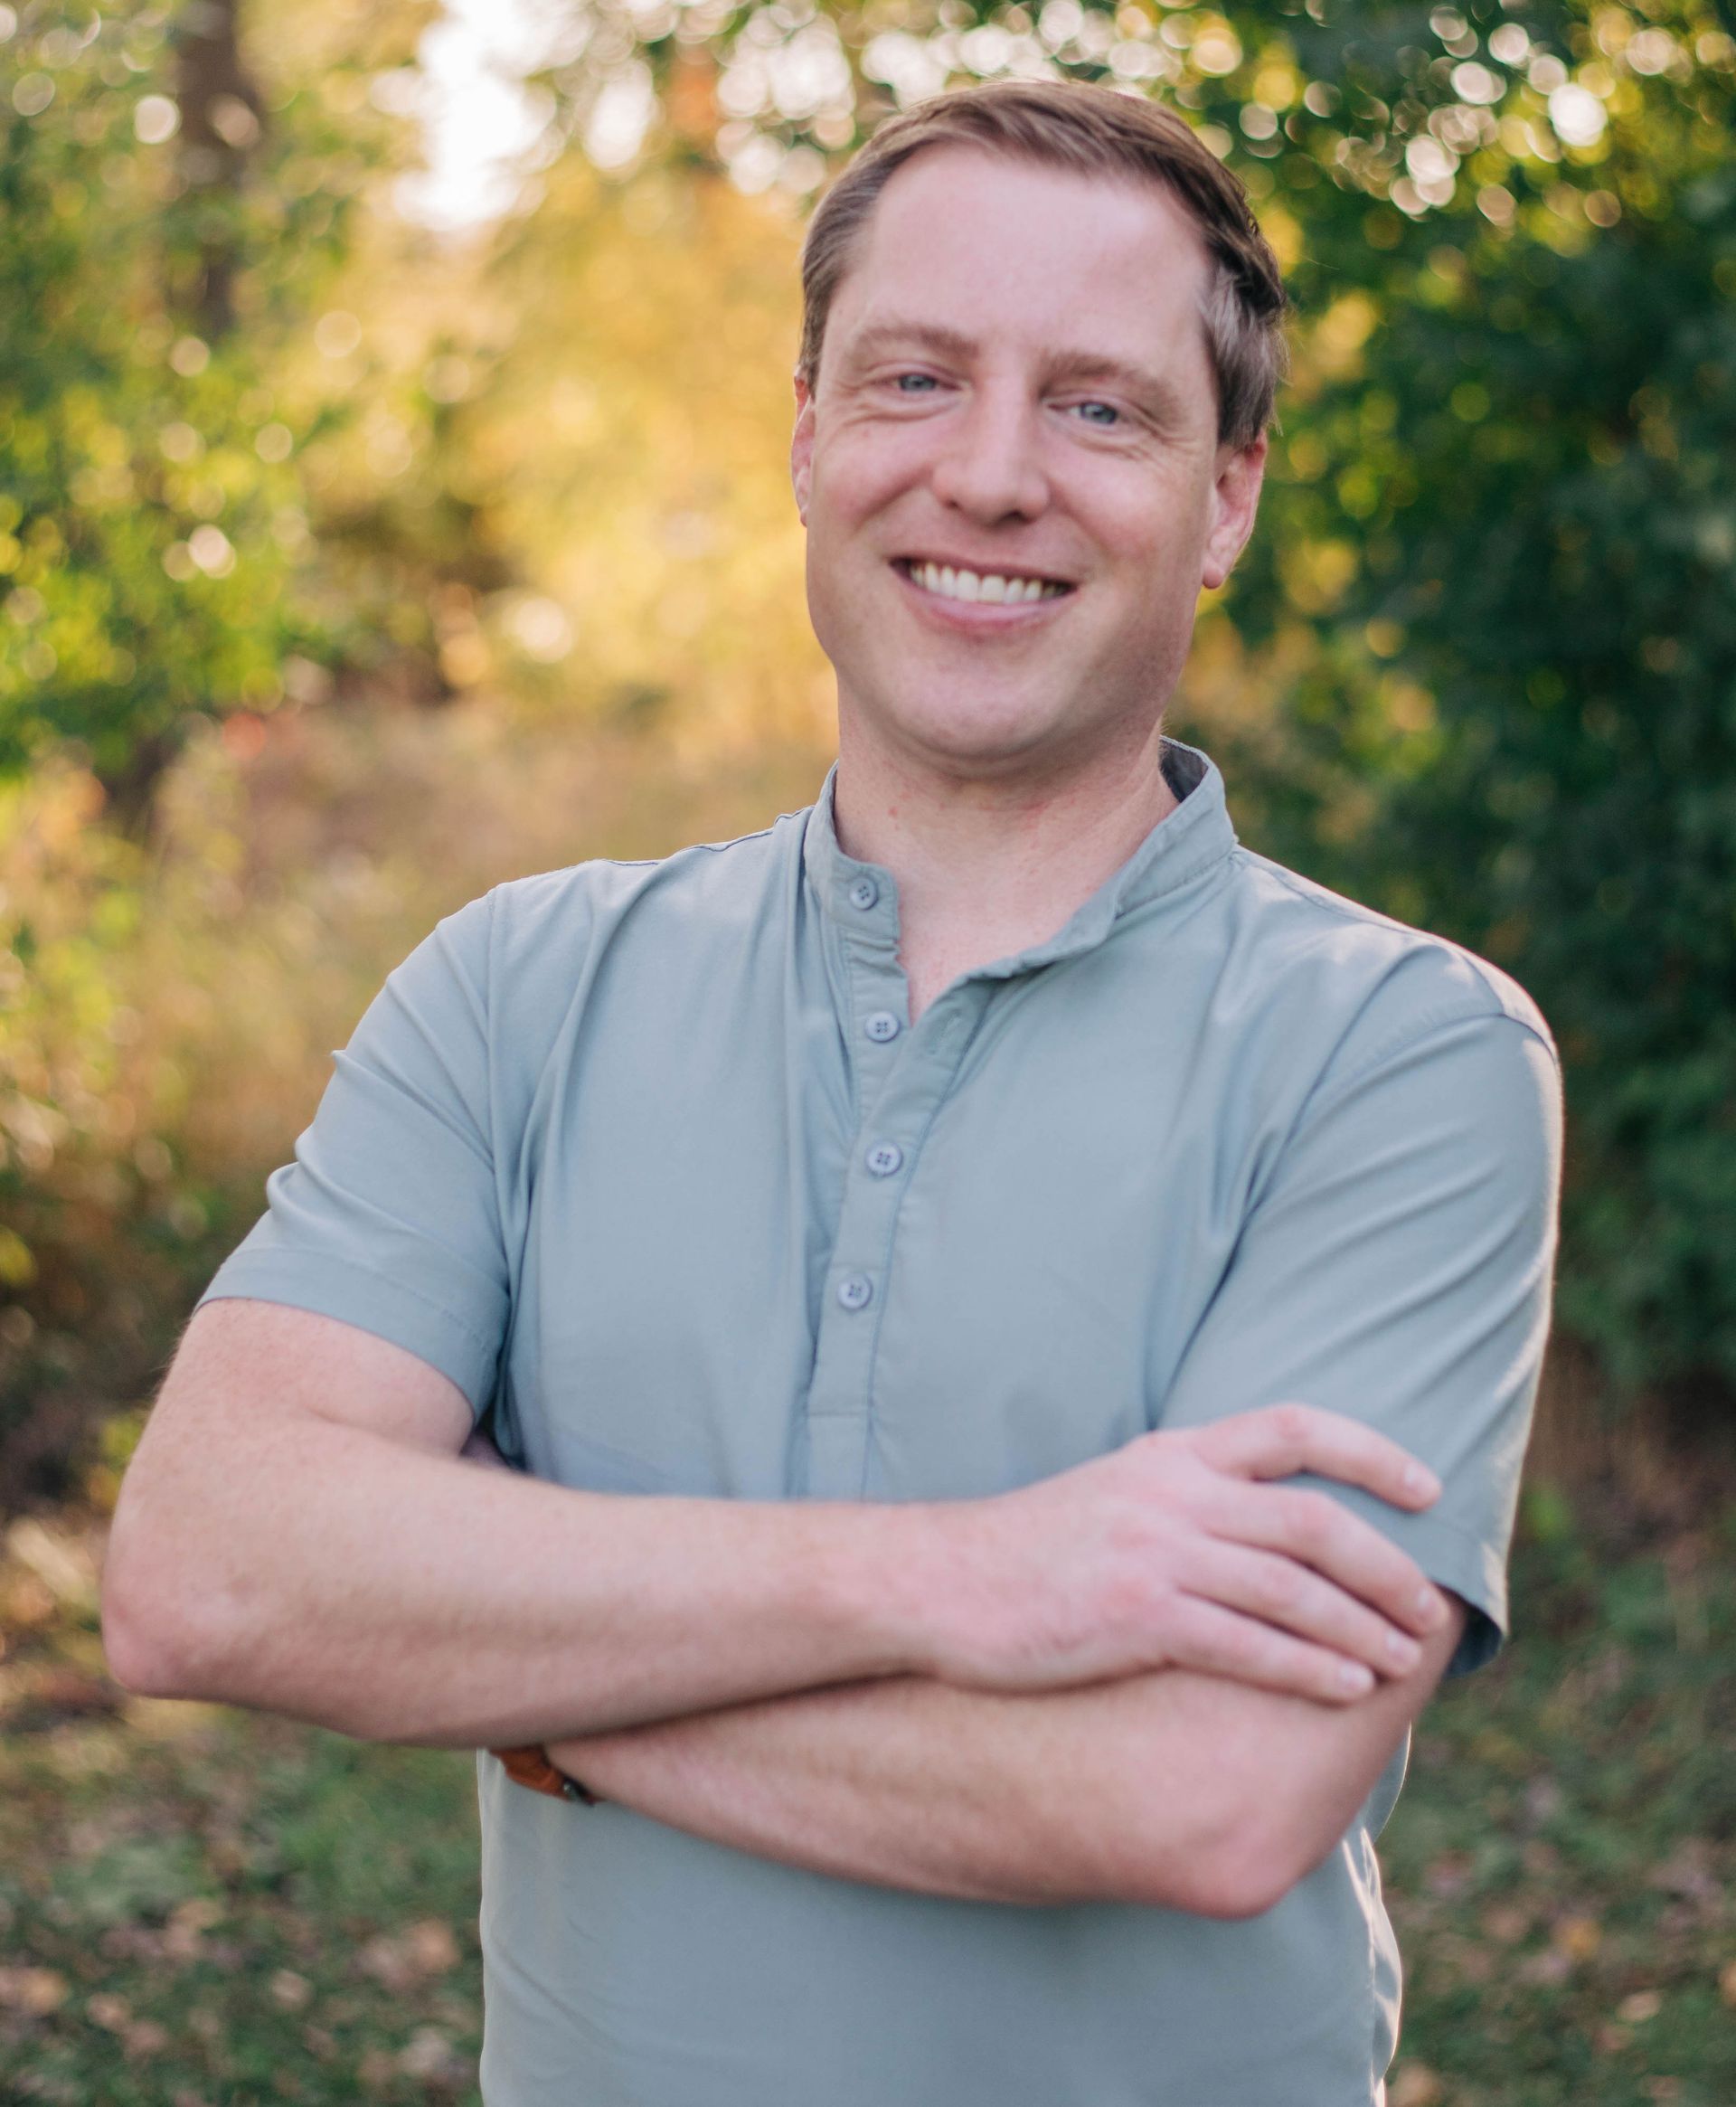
{"type": "Point", "coordinates": [914, 1784]}
{"type": "Point", "coordinates": [297, 1532]}
{"type": "Point", "coordinates": [1170, 1788]}
{"type": "Point", "coordinates": [408, 1596]}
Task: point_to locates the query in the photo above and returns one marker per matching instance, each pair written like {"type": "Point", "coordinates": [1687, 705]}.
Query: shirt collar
{"type": "Point", "coordinates": [1183, 845]}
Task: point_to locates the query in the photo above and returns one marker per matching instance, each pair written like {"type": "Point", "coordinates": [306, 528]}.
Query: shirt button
{"type": "Point", "coordinates": [863, 894]}
{"type": "Point", "coordinates": [882, 1026]}
{"type": "Point", "coordinates": [855, 1290]}
{"type": "Point", "coordinates": [885, 1158]}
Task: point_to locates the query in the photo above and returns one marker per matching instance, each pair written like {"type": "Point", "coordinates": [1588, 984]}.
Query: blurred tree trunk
{"type": "Point", "coordinates": [219, 128]}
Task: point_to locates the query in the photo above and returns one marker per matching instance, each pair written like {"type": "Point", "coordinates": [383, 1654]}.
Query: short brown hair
{"type": "Point", "coordinates": [1098, 131]}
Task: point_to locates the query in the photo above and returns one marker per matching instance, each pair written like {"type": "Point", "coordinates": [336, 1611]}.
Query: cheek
{"type": "Point", "coordinates": [861, 471]}
{"type": "Point", "coordinates": [1162, 532]}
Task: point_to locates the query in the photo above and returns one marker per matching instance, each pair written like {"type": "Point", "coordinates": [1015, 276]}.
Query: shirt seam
{"type": "Point", "coordinates": [1325, 902]}
{"type": "Point", "coordinates": [1434, 1025]}
{"type": "Point", "coordinates": [241, 1260]}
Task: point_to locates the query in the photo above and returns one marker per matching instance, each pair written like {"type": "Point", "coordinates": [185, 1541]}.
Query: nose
{"type": "Point", "coordinates": [990, 466]}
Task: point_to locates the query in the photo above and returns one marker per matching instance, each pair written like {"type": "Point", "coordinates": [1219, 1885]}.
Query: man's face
{"type": "Point", "coordinates": [1014, 383]}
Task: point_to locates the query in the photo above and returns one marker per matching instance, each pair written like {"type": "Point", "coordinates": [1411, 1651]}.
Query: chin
{"type": "Point", "coordinates": [975, 737]}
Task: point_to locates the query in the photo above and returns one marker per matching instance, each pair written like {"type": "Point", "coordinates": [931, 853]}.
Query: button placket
{"type": "Point", "coordinates": [915, 1070]}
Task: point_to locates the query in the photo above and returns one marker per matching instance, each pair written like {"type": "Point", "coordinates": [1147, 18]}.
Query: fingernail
{"type": "Point", "coordinates": [1417, 1478]}
{"type": "Point", "coordinates": [1405, 1651]}
{"type": "Point", "coordinates": [1355, 1680]}
{"type": "Point", "coordinates": [1428, 1606]}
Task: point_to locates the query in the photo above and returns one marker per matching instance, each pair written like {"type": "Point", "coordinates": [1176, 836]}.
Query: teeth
{"type": "Point", "coordinates": [952, 584]}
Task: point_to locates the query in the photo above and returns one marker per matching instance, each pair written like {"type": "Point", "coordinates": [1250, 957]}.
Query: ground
{"type": "Point", "coordinates": [200, 1908]}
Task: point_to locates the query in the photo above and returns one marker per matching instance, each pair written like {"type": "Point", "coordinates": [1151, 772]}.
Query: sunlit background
{"type": "Point", "coordinates": [394, 404]}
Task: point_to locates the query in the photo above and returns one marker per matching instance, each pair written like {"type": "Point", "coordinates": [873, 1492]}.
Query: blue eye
{"type": "Point", "coordinates": [1110, 407]}
{"type": "Point", "coordinates": [900, 379]}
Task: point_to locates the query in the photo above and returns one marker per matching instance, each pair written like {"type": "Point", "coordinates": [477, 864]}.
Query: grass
{"type": "Point", "coordinates": [200, 1908]}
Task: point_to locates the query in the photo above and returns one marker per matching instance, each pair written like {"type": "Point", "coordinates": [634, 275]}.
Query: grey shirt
{"type": "Point", "coordinates": [649, 1158]}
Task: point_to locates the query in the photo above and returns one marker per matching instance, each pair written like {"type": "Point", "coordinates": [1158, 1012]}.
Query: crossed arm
{"type": "Point", "coordinates": [1173, 1788]}
{"type": "Point", "coordinates": [969, 1710]}
{"type": "Point", "coordinates": [1183, 1789]}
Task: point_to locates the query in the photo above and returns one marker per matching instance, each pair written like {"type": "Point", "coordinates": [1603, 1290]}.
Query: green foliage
{"type": "Point", "coordinates": [1497, 566]}
{"type": "Point", "coordinates": [261, 443]}
{"type": "Point", "coordinates": [153, 529]}
{"type": "Point", "coordinates": [1527, 674]}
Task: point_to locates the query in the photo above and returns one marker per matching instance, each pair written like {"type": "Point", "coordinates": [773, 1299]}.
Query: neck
{"type": "Point", "coordinates": [988, 866]}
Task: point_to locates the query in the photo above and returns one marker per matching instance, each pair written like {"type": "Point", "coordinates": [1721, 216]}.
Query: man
{"type": "Point", "coordinates": [1065, 1294]}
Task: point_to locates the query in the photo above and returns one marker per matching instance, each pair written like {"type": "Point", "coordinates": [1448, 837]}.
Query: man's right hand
{"type": "Point", "coordinates": [1176, 1551]}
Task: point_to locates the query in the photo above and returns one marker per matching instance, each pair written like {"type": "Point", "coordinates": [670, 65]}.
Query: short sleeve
{"type": "Point", "coordinates": [1396, 1266]}
{"type": "Point", "coordinates": [388, 1216]}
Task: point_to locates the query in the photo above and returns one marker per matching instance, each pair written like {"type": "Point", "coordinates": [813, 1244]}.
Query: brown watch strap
{"type": "Point", "coordinates": [529, 1765]}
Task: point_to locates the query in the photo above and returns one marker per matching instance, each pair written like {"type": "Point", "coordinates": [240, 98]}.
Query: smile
{"type": "Point", "coordinates": [998, 588]}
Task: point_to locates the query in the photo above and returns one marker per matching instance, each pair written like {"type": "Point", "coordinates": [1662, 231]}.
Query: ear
{"type": "Point", "coordinates": [1235, 499]}
{"type": "Point", "coordinates": [801, 448]}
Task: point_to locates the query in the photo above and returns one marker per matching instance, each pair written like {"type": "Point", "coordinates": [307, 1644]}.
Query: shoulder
{"type": "Point", "coordinates": [1385, 983]}
{"type": "Point", "coordinates": [521, 954]}
{"type": "Point", "coordinates": [568, 910]}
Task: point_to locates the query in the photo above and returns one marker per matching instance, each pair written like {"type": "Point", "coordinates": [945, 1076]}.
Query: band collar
{"type": "Point", "coordinates": [860, 899]}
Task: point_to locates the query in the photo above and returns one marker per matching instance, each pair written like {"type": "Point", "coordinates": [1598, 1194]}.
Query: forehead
{"type": "Point", "coordinates": [1028, 258]}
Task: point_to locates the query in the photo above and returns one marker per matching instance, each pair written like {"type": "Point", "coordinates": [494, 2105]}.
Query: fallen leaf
{"type": "Point", "coordinates": [146, 2038]}
{"type": "Point", "coordinates": [1551, 1966]}
{"type": "Point", "coordinates": [387, 1961]}
{"type": "Point", "coordinates": [1414, 2085]}
{"type": "Point", "coordinates": [1727, 1982]}
{"type": "Point", "coordinates": [428, 2054]}
{"type": "Point", "coordinates": [1579, 1937]}
{"type": "Point", "coordinates": [109, 2010]}
{"type": "Point", "coordinates": [1508, 1921]}
{"type": "Point", "coordinates": [431, 1946]}
{"type": "Point", "coordinates": [183, 1934]}
{"type": "Point", "coordinates": [63, 1565]}
{"type": "Point", "coordinates": [35, 1990]}
{"type": "Point", "coordinates": [423, 1949]}
{"type": "Point", "coordinates": [1641, 2006]}
{"type": "Point", "coordinates": [290, 1992]}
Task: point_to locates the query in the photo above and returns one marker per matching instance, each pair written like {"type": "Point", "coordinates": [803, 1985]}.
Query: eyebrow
{"type": "Point", "coordinates": [1060, 364]}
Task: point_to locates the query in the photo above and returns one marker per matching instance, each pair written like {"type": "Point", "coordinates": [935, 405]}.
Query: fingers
{"type": "Point", "coordinates": [1312, 1530]}
{"type": "Point", "coordinates": [1280, 1440]}
{"type": "Point", "coordinates": [1219, 1642]}
{"type": "Point", "coordinates": [1297, 1600]}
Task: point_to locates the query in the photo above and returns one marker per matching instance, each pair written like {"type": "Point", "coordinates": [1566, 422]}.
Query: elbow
{"type": "Point", "coordinates": [1248, 1880]}
{"type": "Point", "coordinates": [142, 1652]}
{"type": "Point", "coordinates": [157, 1644]}
{"type": "Point", "coordinates": [1231, 1871]}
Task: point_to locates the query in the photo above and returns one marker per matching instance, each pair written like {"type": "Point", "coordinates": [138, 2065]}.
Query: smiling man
{"type": "Point", "coordinates": [1016, 1318]}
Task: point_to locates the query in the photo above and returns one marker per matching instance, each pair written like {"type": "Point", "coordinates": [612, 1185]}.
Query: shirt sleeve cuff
{"type": "Point", "coordinates": [339, 1288]}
